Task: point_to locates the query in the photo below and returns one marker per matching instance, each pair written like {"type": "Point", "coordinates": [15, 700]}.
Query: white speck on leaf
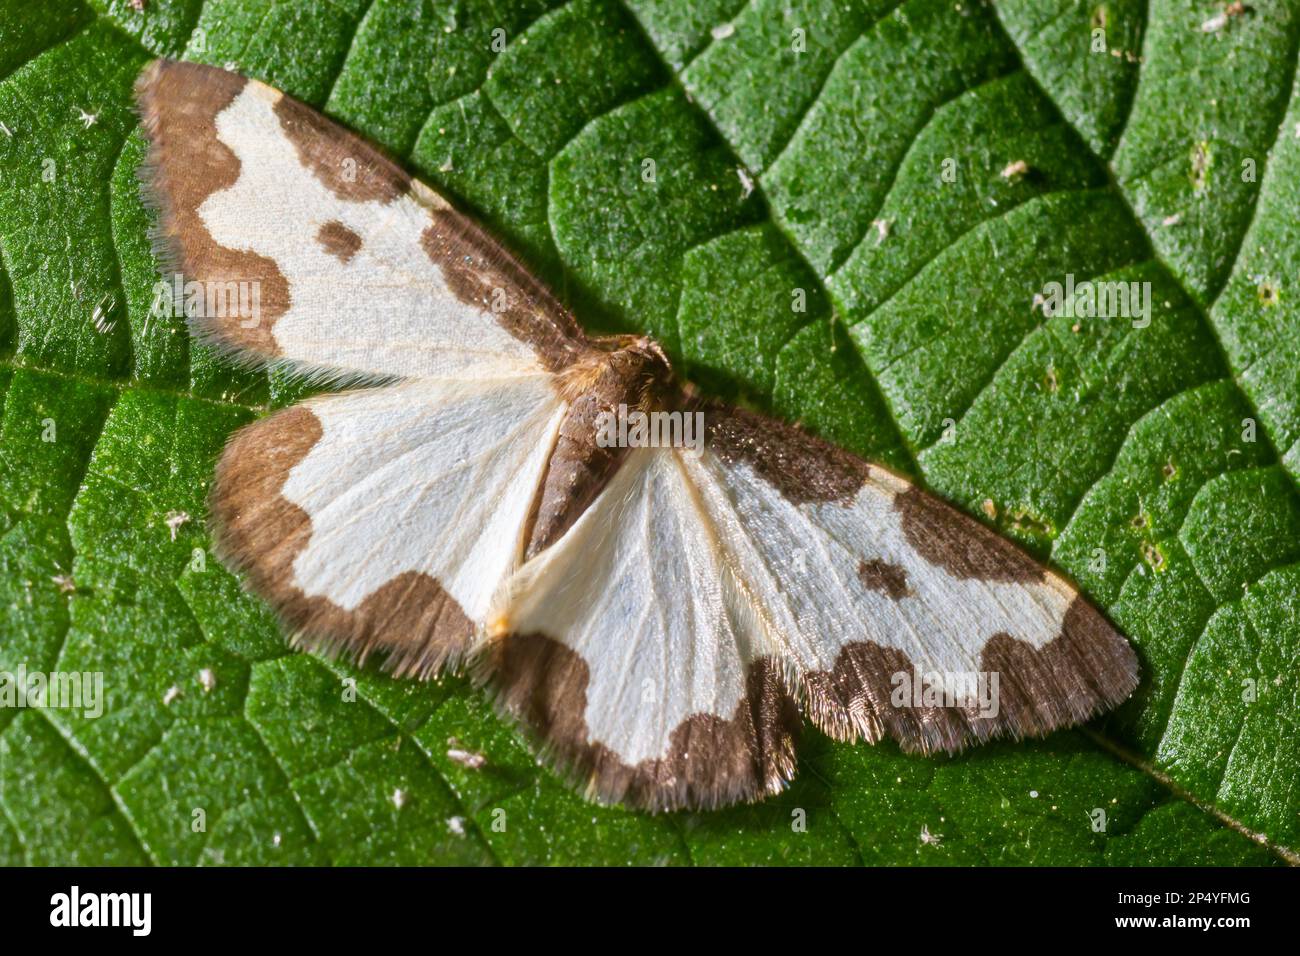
{"type": "Point", "coordinates": [1013, 172]}
{"type": "Point", "coordinates": [746, 182]}
{"type": "Point", "coordinates": [466, 758]}
{"type": "Point", "coordinates": [174, 520]}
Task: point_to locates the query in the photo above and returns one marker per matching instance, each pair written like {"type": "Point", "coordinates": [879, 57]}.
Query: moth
{"type": "Point", "coordinates": [660, 619]}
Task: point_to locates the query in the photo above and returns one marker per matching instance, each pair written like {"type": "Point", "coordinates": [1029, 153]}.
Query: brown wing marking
{"type": "Point", "coordinates": [1086, 669]}
{"type": "Point", "coordinates": [187, 163]}
{"type": "Point", "coordinates": [483, 274]}
{"type": "Point", "coordinates": [411, 619]}
{"type": "Point", "coordinates": [711, 761]}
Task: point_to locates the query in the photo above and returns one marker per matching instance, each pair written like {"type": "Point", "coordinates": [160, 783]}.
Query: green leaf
{"type": "Point", "coordinates": [797, 150]}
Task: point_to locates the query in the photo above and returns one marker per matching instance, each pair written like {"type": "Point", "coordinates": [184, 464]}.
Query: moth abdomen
{"type": "Point", "coordinates": [633, 375]}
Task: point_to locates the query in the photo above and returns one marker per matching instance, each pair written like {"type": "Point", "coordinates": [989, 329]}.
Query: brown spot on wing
{"type": "Point", "coordinates": [187, 163]}
{"type": "Point", "coordinates": [410, 618]}
{"type": "Point", "coordinates": [1087, 669]}
{"type": "Point", "coordinates": [803, 467]}
{"type": "Point", "coordinates": [483, 274]}
{"type": "Point", "coordinates": [880, 575]}
{"type": "Point", "coordinates": [338, 240]}
{"type": "Point", "coordinates": [711, 761]}
{"type": "Point", "coordinates": [958, 543]}
{"type": "Point", "coordinates": [346, 164]}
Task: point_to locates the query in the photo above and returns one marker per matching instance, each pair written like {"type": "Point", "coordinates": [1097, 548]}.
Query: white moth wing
{"type": "Point", "coordinates": [435, 477]}
{"type": "Point", "coordinates": [378, 306]}
{"type": "Point", "coordinates": [901, 616]}
{"type": "Point", "coordinates": [306, 246]}
{"type": "Point", "coordinates": [807, 563]}
{"type": "Point", "coordinates": [385, 519]}
{"type": "Point", "coordinates": [626, 647]}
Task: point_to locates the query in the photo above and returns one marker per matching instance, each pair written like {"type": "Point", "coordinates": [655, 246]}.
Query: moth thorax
{"type": "Point", "coordinates": [620, 369]}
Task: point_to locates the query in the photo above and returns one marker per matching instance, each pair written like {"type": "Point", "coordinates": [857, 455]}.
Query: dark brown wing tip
{"type": "Point", "coordinates": [177, 104]}
{"type": "Point", "coordinates": [174, 100]}
{"type": "Point", "coordinates": [152, 89]}
{"type": "Point", "coordinates": [1084, 671]}
{"type": "Point", "coordinates": [1087, 669]}
{"type": "Point", "coordinates": [167, 87]}
{"type": "Point", "coordinates": [418, 628]}
{"type": "Point", "coordinates": [541, 684]}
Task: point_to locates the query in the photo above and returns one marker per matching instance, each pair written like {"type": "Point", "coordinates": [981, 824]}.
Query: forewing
{"type": "Point", "coordinates": [302, 244]}
{"type": "Point", "coordinates": [385, 519]}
